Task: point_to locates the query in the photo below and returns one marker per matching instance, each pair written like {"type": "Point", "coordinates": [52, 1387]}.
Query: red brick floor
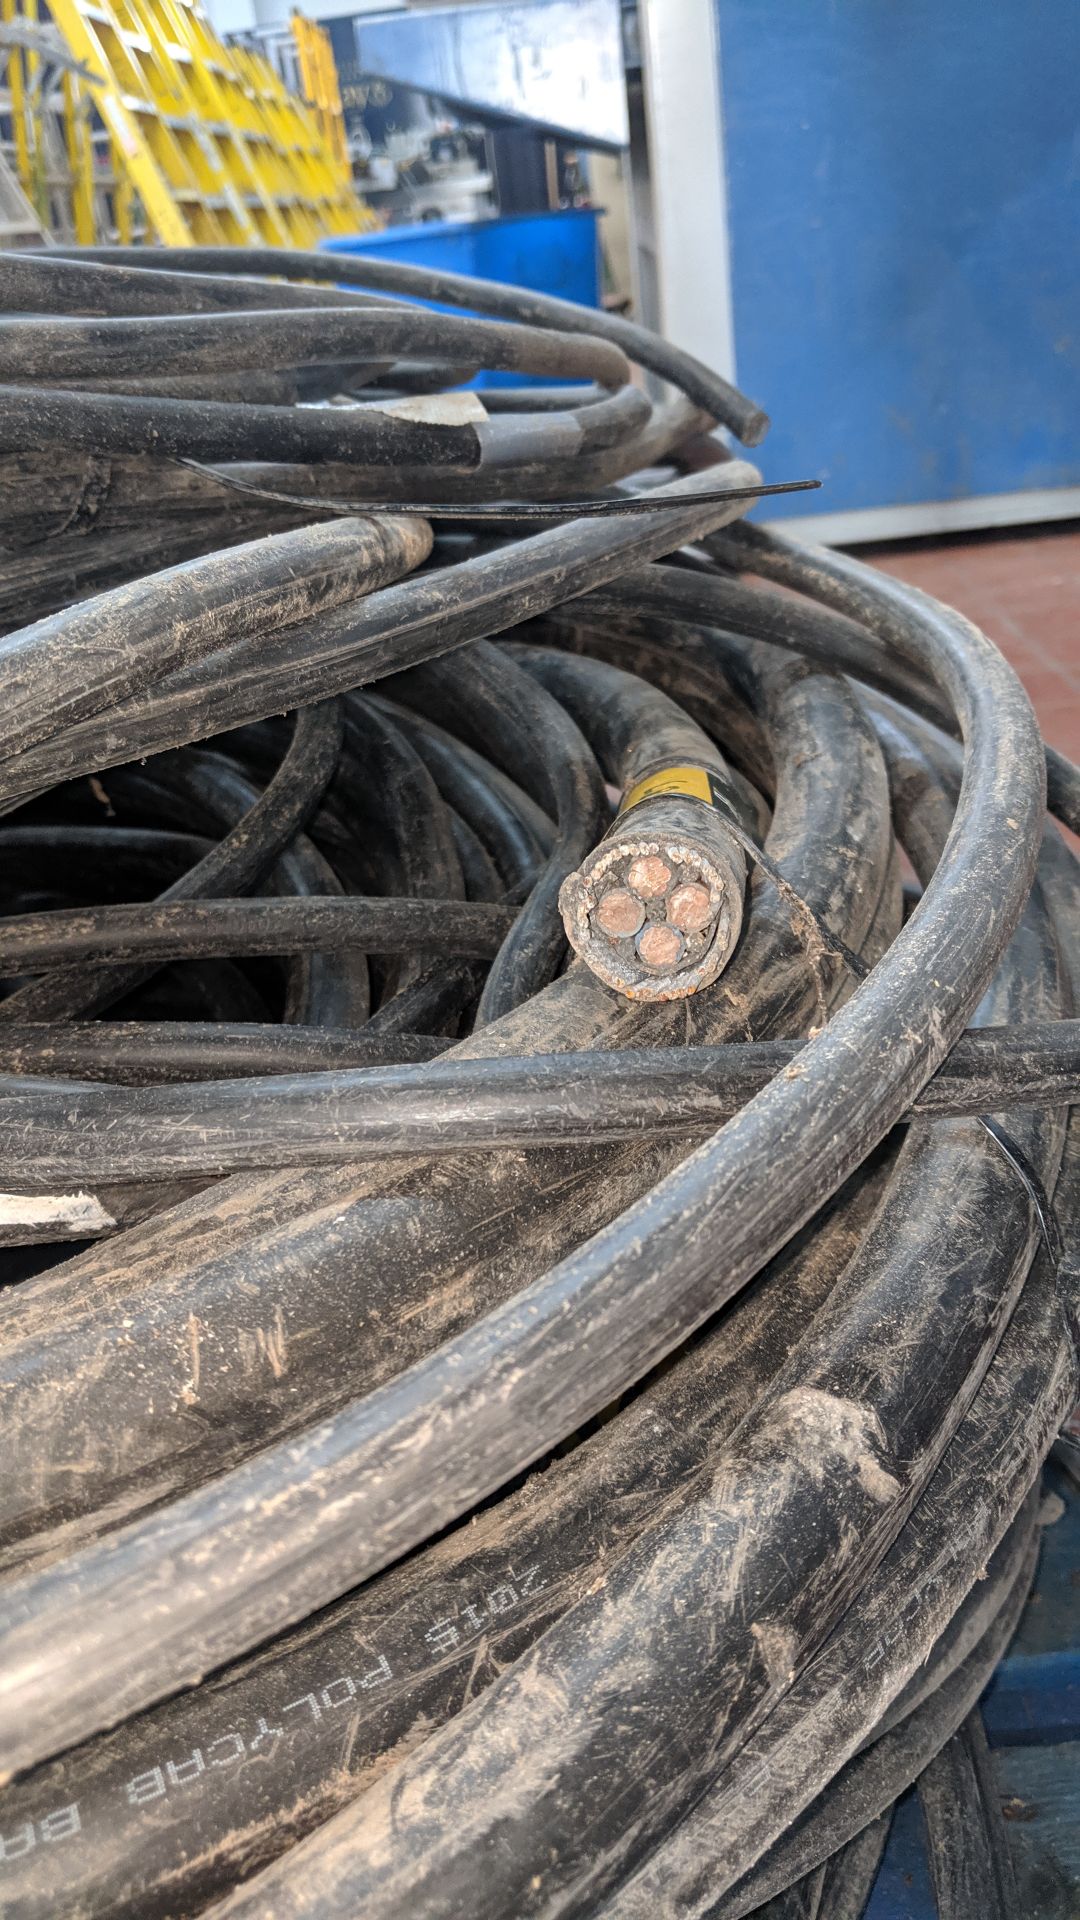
{"type": "Point", "coordinates": [1022, 587]}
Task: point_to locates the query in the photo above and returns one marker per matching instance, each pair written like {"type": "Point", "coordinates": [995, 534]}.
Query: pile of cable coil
{"type": "Point", "coordinates": [539, 1204]}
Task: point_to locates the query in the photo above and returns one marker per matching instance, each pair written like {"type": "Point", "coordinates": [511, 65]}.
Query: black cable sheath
{"type": "Point", "coordinates": [326, 1117]}
{"type": "Point", "coordinates": [494, 1425]}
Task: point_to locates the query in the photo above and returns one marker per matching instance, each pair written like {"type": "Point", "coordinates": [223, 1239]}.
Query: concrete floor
{"type": "Point", "coordinates": [1022, 587]}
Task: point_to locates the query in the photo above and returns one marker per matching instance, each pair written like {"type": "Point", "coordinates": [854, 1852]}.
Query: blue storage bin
{"type": "Point", "coordinates": [556, 253]}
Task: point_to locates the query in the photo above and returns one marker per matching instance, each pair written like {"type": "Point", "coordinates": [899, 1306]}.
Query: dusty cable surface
{"type": "Point", "coordinates": [513, 1318]}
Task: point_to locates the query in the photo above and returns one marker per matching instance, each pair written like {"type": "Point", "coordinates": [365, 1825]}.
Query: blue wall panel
{"type": "Point", "coordinates": [904, 208]}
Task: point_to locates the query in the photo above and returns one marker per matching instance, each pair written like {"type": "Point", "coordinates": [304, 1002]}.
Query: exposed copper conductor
{"type": "Point", "coordinates": [649, 876]}
{"type": "Point", "coordinates": [660, 947]}
{"type": "Point", "coordinates": [690, 907]}
{"type": "Point", "coordinates": [619, 913]}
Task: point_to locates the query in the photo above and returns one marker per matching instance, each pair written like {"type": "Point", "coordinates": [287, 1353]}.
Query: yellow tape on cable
{"type": "Point", "coordinates": [685, 783]}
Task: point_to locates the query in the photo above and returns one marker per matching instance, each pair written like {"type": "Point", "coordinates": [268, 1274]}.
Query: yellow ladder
{"type": "Point", "coordinates": [206, 146]}
{"type": "Point", "coordinates": [292, 143]}
{"type": "Point", "coordinates": [46, 101]}
{"type": "Point", "coordinates": [319, 86]}
{"type": "Point", "coordinates": [173, 160]}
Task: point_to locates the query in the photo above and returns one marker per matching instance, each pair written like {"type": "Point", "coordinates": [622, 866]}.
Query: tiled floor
{"type": "Point", "coordinates": [1023, 589]}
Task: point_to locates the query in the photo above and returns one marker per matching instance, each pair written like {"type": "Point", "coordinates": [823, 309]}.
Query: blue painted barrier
{"type": "Point", "coordinates": [557, 253]}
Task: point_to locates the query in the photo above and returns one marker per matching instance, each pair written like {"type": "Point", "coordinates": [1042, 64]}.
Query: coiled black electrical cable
{"type": "Point", "coordinates": [479, 1441]}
